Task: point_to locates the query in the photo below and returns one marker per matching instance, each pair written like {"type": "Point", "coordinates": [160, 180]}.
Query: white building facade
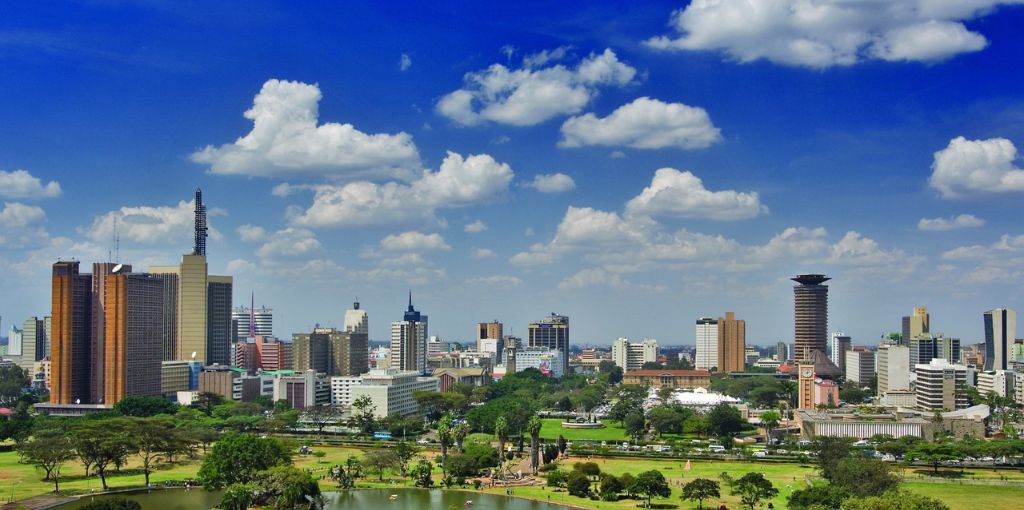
{"type": "Point", "coordinates": [632, 355]}
{"type": "Point", "coordinates": [391, 390]}
{"type": "Point", "coordinates": [706, 356]}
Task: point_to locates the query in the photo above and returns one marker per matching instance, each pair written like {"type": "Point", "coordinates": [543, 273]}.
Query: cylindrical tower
{"type": "Point", "coordinates": [810, 300]}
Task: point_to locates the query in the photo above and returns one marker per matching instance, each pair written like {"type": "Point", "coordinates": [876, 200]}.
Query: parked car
{"type": "Point", "coordinates": [760, 455]}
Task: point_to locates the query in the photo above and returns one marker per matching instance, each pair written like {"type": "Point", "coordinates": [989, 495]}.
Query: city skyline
{"type": "Point", "coordinates": [383, 163]}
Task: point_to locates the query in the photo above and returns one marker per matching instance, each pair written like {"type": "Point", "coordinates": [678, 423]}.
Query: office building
{"type": "Point", "coordinates": [133, 326]}
{"type": "Point", "coordinates": [14, 342]}
{"type": "Point", "coordinates": [437, 345]}
{"type": "Point", "coordinates": [551, 332]}
{"type": "Point", "coordinates": [941, 385]}
{"type": "Point", "coordinates": [70, 339]}
{"type": "Point", "coordinates": [893, 368]}
{"type": "Point", "coordinates": [218, 317]}
{"type": "Point", "coordinates": [341, 390]}
{"type": "Point", "coordinates": [1000, 332]}
{"type": "Point", "coordinates": [926, 347]}
{"type": "Point", "coordinates": [706, 357]}
{"type": "Point", "coordinates": [249, 321]}
{"type": "Point", "coordinates": [948, 348]}
{"type": "Point", "coordinates": [810, 299]}
{"type": "Point", "coordinates": [683, 379]}
{"type": "Point", "coordinates": [391, 391]}
{"type": "Point", "coordinates": [303, 389]}
{"type": "Point", "coordinates": [916, 324]}
{"type": "Point", "coordinates": [860, 365]}
{"type": "Point", "coordinates": [409, 341]}
{"type": "Point", "coordinates": [1000, 382]}
{"type": "Point", "coordinates": [732, 344]}
{"type": "Point", "coordinates": [357, 320]}
{"type": "Point", "coordinates": [837, 349]}
{"type": "Point", "coordinates": [781, 351]}
{"type": "Point", "coordinates": [312, 351]}
{"type": "Point", "coordinates": [98, 339]}
{"type": "Point", "coordinates": [331, 352]}
{"type": "Point", "coordinates": [495, 346]}
{"type": "Point", "coordinates": [349, 353]}
{"type": "Point", "coordinates": [485, 330]}
{"type": "Point", "coordinates": [548, 361]}
{"type": "Point", "coordinates": [34, 341]}
{"type": "Point", "coordinates": [632, 355]}
{"type": "Point", "coordinates": [175, 376]}
{"type": "Point", "coordinates": [263, 353]}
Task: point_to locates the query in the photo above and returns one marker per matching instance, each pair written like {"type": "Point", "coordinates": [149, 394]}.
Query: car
{"type": "Point", "coordinates": [804, 442]}
{"type": "Point", "coordinates": [423, 441]}
{"type": "Point", "coordinates": [716, 448]}
{"type": "Point", "coordinates": [695, 441]}
{"type": "Point", "coordinates": [862, 442]}
{"type": "Point", "coordinates": [760, 455]}
{"type": "Point", "coordinates": [781, 451]}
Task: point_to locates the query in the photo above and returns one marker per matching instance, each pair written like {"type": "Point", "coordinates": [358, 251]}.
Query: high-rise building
{"type": "Point", "coordinates": [312, 351]}
{"type": "Point", "coordinates": [941, 385]}
{"type": "Point", "coordinates": [860, 365]}
{"type": "Point", "coordinates": [133, 316]}
{"type": "Point", "coordinates": [493, 329]}
{"type": "Point", "coordinates": [97, 339]}
{"type": "Point", "coordinates": [893, 368]}
{"type": "Point", "coordinates": [916, 324]}
{"type": "Point", "coordinates": [632, 355]}
{"type": "Point", "coordinates": [250, 321]}
{"type": "Point", "coordinates": [732, 343]}
{"type": "Point", "coordinates": [409, 341]}
{"type": "Point", "coordinates": [551, 332]}
{"type": "Point", "coordinates": [356, 320]}
{"type": "Point", "coordinates": [838, 347]}
{"type": "Point", "coordinates": [170, 348]}
{"type": "Point", "coordinates": [781, 351]}
{"type": "Point", "coordinates": [263, 353]}
{"type": "Point", "coordinates": [218, 319]}
{"type": "Point", "coordinates": [926, 347]}
{"type": "Point", "coordinates": [33, 341]}
{"type": "Point", "coordinates": [810, 299]}
{"type": "Point", "coordinates": [71, 335]}
{"type": "Point", "coordinates": [706, 356]}
{"type": "Point", "coordinates": [1000, 332]}
{"type": "Point", "coordinates": [948, 348]}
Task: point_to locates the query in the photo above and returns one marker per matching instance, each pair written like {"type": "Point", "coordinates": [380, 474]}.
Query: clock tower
{"type": "Point", "coordinates": [806, 386]}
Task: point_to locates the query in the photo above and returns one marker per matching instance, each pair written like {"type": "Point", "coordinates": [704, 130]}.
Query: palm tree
{"type": "Point", "coordinates": [533, 426]}
{"type": "Point", "coordinates": [770, 420]}
{"type": "Point", "coordinates": [501, 432]}
{"type": "Point", "coordinates": [459, 432]}
{"type": "Point", "coordinates": [444, 435]}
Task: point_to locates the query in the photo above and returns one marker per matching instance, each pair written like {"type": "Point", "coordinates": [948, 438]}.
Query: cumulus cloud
{"type": "Point", "coordinates": [459, 182]}
{"type": "Point", "coordinates": [289, 242]}
{"type": "Point", "coordinates": [476, 227]}
{"type": "Point", "coordinates": [552, 183]}
{"type": "Point", "coordinates": [984, 264]}
{"type": "Point", "coordinates": [496, 281]}
{"type": "Point", "coordinates": [22, 226]}
{"type": "Point", "coordinates": [414, 241]}
{"type": "Point", "coordinates": [855, 249]}
{"type": "Point", "coordinates": [643, 124]}
{"type": "Point", "coordinates": [532, 94]}
{"type": "Point", "coordinates": [20, 184]}
{"type": "Point", "coordinates": [827, 33]}
{"type": "Point", "coordinates": [680, 193]}
{"type": "Point", "coordinates": [968, 168]}
{"type": "Point", "coordinates": [404, 62]}
{"type": "Point", "coordinates": [594, 277]}
{"type": "Point", "coordinates": [952, 223]}
{"type": "Point", "coordinates": [149, 224]}
{"type": "Point", "coordinates": [251, 233]}
{"type": "Point", "coordinates": [286, 141]}
{"type": "Point", "coordinates": [483, 253]}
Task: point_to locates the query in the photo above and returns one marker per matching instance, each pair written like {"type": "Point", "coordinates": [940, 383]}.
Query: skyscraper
{"type": "Point", "coordinates": [551, 332]}
{"type": "Point", "coordinates": [810, 315]}
{"type": "Point", "coordinates": [1000, 331]}
{"type": "Point", "coordinates": [781, 351]}
{"type": "Point", "coordinates": [34, 341]}
{"type": "Point", "coordinates": [706, 356]}
{"type": "Point", "coordinates": [218, 319]}
{"type": "Point", "coordinates": [837, 350]}
{"type": "Point", "coordinates": [409, 341]}
{"type": "Point", "coordinates": [250, 321]}
{"type": "Point", "coordinates": [331, 351]}
{"type": "Point", "coordinates": [97, 339]}
{"type": "Point", "coordinates": [893, 368]}
{"type": "Point", "coordinates": [70, 339]}
{"type": "Point", "coordinates": [492, 329]}
{"type": "Point", "coordinates": [916, 324]}
{"type": "Point", "coordinates": [133, 315]}
{"type": "Point", "coordinates": [732, 343]}
{"type": "Point", "coordinates": [357, 320]}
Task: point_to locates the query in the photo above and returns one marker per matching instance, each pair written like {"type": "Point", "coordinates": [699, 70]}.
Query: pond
{"type": "Point", "coordinates": [406, 499]}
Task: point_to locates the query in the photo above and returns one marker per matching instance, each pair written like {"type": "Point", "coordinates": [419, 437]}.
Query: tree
{"type": "Point", "coordinates": [237, 458]}
{"type": "Point", "coordinates": [153, 438]}
{"type": "Point", "coordinates": [591, 469]}
{"type": "Point", "coordinates": [444, 435]}
{"type": "Point", "coordinates": [770, 420]}
{"type": "Point", "coordinates": [100, 444]}
{"type": "Point", "coordinates": [752, 488]}
{"type": "Point", "coordinates": [117, 503]}
{"type": "Point", "coordinates": [610, 487]}
{"type": "Point", "coordinates": [830, 451]}
{"type": "Point", "coordinates": [933, 453]}
{"type": "Point", "coordinates": [320, 416]}
{"type": "Point", "coordinates": [405, 451]}
{"type": "Point", "coordinates": [238, 496]}
{"type": "Point", "coordinates": [345, 475]}
{"type": "Point", "coordinates": [700, 489]}
{"type": "Point", "coordinates": [558, 478]}
{"type": "Point", "coordinates": [285, 487]}
{"type": "Point", "coordinates": [817, 497]}
{"type": "Point", "coordinates": [459, 433]}
{"type": "Point", "coordinates": [725, 421]}
{"type": "Point", "coordinates": [578, 484]}
{"type": "Point", "coordinates": [421, 474]}
{"type": "Point", "coordinates": [895, 500]}
{"type": "Point", "coordinates": [650, 484]}
{"type": "Point", "coordinates": [144, 406]}
{"type": "Point", "coordinates": [207, 401]}
{"type": "Point", "coordinates": [634, 424]}
{"type": "Point", "coordinates": [628, 483]}
{"type": "Point", "coordinates": [501, 432]}
{"type": "Point", "coordinates": [533, 427]}
{"type": "Point", "coordinates": [863, 477]}
{"type": "Point", "coordinates": [378, 460]}
{"type": "Point", "coordinates": [49, 449]}
{"type": "Point", "coordinates": [363, 418]}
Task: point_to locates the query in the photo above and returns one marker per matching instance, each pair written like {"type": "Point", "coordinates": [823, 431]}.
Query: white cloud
{"type": "Point", "coordinates": [617, 155]}
{"type": "Point", "coordinates": [792, 243]}
{"type": "Point", "coordinates": [967, 168]}
{"type": "Point", "coordinates": [827, 33]}
{"type": "Point", "coordinates": [289, 242]}
{"type": "Point", "coordinates": [529, 232]}
{"type": "Point", "coordinates": [496, 281]}
{"type": "Point", "coordinates": [414, 241]}
{"type": "Point", "coordinates": [22, 226]}
{"type": "Point", "coordinates": [148, 224]}
{"type": "Point", "coordinates": [458, 183]}
{"type": "Point", "coordinates": [594, 277]}
{"type": "Point", "coordinates": [240, 266]}
{"type": "Point", "coordinates": [643, 124]}
{"type": "Point", "coordinates": [476, 227]}
{"type": "Point", "coordinates": [286, 141]}
{"type": "Point", "coordinates": [855, 249]}
{"type": "Point", "coordinates": [952, 223]}
{"type": "Point", "coordinates": [543, 57]}
{"type": "Point", "coordinates": [404, 62]}
{"type": "Point", "coordinates": [20, 184]}
{"type": "Point", "coordinates": [532, 94]}
{"type": "Point", "coordinates": [552, 183]}
{"type": "Point", "coordinates": [483, 253]}
{"type": "Point", "coordinates": [676, 193]}
{"type": "Point", "coordinates": [251, 233]}
{"type": "Point", "coordinates": [998, 262]}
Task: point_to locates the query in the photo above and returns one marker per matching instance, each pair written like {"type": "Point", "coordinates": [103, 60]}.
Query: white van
{"type": "Point", "coordinates": [716, 448]}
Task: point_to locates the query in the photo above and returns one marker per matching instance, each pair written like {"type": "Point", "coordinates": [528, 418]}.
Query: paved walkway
{"type": "Point", "coordinates": [36, 503]}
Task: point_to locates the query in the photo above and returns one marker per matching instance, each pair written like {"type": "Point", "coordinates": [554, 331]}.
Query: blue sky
{"type": "Point", "coordinates": [634, 168]}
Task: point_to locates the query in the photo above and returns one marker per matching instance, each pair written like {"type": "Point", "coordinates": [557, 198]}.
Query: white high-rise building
{"type": "Point", "coordinates": [893, 368]}
{"type": "Point", "coordinates": [1000, 332]}
{"type": "Point", "coordinates": [357, 320]}
{"type": "Point", "coordinates": [14, 342]}
{"type": "Point", "coordinates": [941, 385]}
{"type": "Point", "coordinates": [262, 322]}
{"type": "Point", "coordinates": [409, 341]}
{"type": "Point", "coordinates": [860, 365]}
{"type": "Point", "coordinates": [837, 347]}
{"type": "Point", "coordinates": [1000, 382]}
{"type": "Point", "coordinates": [633, 355]}
{"type": "Point", "coordinates": [707, 344]}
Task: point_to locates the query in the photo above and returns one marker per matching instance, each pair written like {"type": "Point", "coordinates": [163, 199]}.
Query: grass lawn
{"type": "Point", "coordinates": [611, 432]}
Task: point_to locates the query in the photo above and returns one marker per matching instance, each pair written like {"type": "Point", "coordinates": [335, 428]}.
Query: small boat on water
{"type": "Point", "coordinates": [393, 497]}
{"type": "Point", "coordinates": [469, 503]}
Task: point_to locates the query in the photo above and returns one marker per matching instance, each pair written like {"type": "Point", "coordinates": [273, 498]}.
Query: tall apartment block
{"type": "Point", "coordinates": [70, 338]}
{"type": "Point", "coordinates": [331, 351]}
{"type": "Point", "coordinates": [551, 332]}
{"type": "Point", "coordinates": [409, 341]}
{"type": "Point", "coordinates": [732, 343]}
{"type": "Point", "coordinates": [810, 299]}
{"type": "Point", "coordinates": [706, 356]}
{"type": "Point", "coordinates": [1000, 332]}
{"type": "Point", "coordinates": [133, 329]}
